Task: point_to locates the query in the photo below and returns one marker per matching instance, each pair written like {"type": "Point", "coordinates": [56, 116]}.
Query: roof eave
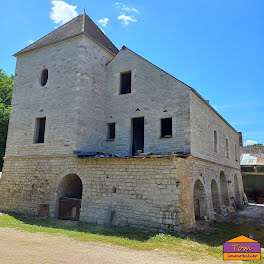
{"type": "Point", "coordinates": [196, 93]}
{"type": "Point", "coordinates": [63, 39]}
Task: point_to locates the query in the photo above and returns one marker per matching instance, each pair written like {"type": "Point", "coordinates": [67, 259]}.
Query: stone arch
{"type": "Point", "coordinates": [69, 196]}
{"type": "Point", "coordinates": [224, 189]}
{"type": "Point", "coordinates": [237, 192]}
{"type": "Point", "coordinates": [215, 197]}
{"type": "Point", "coordinates": [199, 200]}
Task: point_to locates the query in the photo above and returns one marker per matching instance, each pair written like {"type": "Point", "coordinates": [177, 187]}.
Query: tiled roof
{"type": "Point", "coordinates": [81, 24]}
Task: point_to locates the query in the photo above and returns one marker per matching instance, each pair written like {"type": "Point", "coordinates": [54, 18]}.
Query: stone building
{"type": "Point", "coordinates": [252, 169]}
{"type": "Point", "coordinates": [105, 136]}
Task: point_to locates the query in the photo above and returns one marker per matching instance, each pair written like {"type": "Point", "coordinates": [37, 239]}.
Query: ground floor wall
{"type": "Point", "coordinates": [153, 193]}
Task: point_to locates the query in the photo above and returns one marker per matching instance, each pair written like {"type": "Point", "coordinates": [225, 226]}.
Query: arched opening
{"type": "Point", "coordinates": [69, 197]}
{"type": "Point", "coordinates": [199, 200]}
{"type": "Point", "coordinates": [215, 197]}
{"type": "Point", "coordinates": [224, 189]}
{"type": "Point", "coordinates": [237, 192]}
{"type": "Point", "coordinates": [44, 77]}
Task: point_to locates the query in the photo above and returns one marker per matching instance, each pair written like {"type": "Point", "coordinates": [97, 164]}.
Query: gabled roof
{"type": "Point", "coordinates": [81, 24]}
{"type": "Point", "coordinates": [192, 89]}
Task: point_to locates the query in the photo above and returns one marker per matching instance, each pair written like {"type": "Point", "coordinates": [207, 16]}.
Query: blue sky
{"type": "Point", "coordinates": [214, 46]}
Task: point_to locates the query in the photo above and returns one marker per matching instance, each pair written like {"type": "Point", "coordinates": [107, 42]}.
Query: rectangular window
{"type": "Point", "coordinates": [236, 152]}
{"type": "Point", "coordinates": [111, 131]}
{"type": "Point", "coordinates": [125, 83]}
{"type": "Point", "coordinates": [215, 141]}
{"type": "Point", "coordinates": [40, 130]}
{"type": "Point", "coordinates": [166, 127]}
{"type": "Point", "coordinates": [227, 148]}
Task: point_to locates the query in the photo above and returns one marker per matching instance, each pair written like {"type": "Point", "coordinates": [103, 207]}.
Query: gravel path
{"type": "Point", "coordinates": [253, 213]}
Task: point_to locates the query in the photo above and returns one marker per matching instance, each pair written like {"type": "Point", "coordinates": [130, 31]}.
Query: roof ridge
{"type": "Point", "coordinates": [102, 33]}
{"type": "Point", "coordinates": [191, 89]}
{"type": "Point", "coordinates": [83, 25]}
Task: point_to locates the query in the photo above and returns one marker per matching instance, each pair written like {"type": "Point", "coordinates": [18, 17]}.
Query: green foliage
{"type": "Point", "coordinates": [6, 88]}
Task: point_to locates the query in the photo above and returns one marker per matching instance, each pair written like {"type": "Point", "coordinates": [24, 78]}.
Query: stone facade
{"type": "Point", "coordinates": [164, 191]}
{"type": "Point", "coordinates": [151, 193]}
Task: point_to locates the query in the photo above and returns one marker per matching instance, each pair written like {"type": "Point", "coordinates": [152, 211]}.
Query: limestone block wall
{"type": "Point", "coordinates": [154, 194]}
{"type": "Point", "coordinates": [56, 101]}
{"type": "Point", "coordinates": [91, 80]}
{"type": "Point", "coordinates": [207, 171]}
{"type": "Point", "coordinates": [154, 95]}
{"type": "Point", "coordinates": [203, 123]}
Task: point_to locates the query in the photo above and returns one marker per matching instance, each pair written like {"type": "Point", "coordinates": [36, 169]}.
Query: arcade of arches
{"type": "Point", "coordinates": [219, 198]}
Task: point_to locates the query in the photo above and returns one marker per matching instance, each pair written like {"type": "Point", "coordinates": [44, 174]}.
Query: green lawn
{"type": "Point", "coordinates": [195, 245]}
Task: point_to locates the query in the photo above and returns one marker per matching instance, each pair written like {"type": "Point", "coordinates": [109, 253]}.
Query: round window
{"type": "Point", "coordinates": [44, 77]}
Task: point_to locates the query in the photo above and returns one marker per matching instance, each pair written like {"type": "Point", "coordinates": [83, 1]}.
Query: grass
{"type": "Point", "coordinates": [195, 245]}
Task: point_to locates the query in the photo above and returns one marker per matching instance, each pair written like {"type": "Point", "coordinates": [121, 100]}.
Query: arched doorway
{"type": "Point", "coordinates": [215, 197]}
{"type": "Point", "coordinates": [199, 200]}
{"type": "Point", "coordinates": [69, 197]}
{"type": "Point", "coordinates": [224, 189]}
{"type": "Point", "coordinates": [237, 192]}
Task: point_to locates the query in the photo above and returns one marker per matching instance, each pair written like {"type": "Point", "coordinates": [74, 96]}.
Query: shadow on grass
{"type": "Point", "coordinates": [228, 230]}
{"type": "Point", "coordinates": [221, 231]}
{"type": "Point", "coordinates": [84, 227]}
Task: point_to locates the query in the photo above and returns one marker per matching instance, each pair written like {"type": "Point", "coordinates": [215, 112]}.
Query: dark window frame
{"type": "Point", "coordinates": [111, 131]}
{"type": "Point", "coordinates": [125, 82]}
{"type": "Point", "coordinates": [166, 129]}
{"type": "Point", "coordinates": [40, 127]}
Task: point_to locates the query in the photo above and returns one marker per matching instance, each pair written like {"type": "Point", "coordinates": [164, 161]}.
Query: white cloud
{"type": "Point", "coordinates": [124, 7]}
{"type": "Point", "coordinates": [250, 142]}
{"type": "Point", "coordinates": [126, 20]}
{"type": "Point", "coordinates": [62, 12]}
{"type": "Point", "coordinates": [103, 21]}
{"type": "Point", "coordinates": [30, 41]}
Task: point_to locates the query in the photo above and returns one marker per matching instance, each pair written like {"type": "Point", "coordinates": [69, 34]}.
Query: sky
{"type": "Point", "coordinates": [216, 47]}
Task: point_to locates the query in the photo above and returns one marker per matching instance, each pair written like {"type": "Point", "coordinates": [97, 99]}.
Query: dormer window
{"type": "Point", "coordinates": [125, 82]}
{"type": "Point", "coordinates": [44, 77]}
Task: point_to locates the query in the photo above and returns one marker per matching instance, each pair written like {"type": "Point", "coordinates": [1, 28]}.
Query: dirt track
{"type": "Point", "coordinates": [24, 247]}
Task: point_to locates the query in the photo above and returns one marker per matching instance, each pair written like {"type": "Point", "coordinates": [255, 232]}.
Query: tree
{"type": "Point", "coordinates": [6, 89]}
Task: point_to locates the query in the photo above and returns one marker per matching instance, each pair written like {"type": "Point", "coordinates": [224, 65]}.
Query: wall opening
{"type": "Point", "coordinates": [166, 127]}
{"type": "Point", "coordinates": [69, 197]}
{"type": "Point", "coordinates": [224, 189]}
{"type": "Point", "coordinates": [111, 131]}
{"type": "Point", "coordinates": [44, 77]}
{"type": "Point", "coordinates": [138, 135]}
{"type": "Point", "coordinates": [125, 82]}
{"type": "Point", "coordinates": [200, 201]}
{"type": "Point", "coordinates": [215, 197]}
{"type": "Point", "coordinates": [40, 130]}
{"type": "Point", "coordinates": [215, 141]}
{"type": "Point", "coordinates": [227, 148]}
{"type": "Point", "coordinates": [237, 192]}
